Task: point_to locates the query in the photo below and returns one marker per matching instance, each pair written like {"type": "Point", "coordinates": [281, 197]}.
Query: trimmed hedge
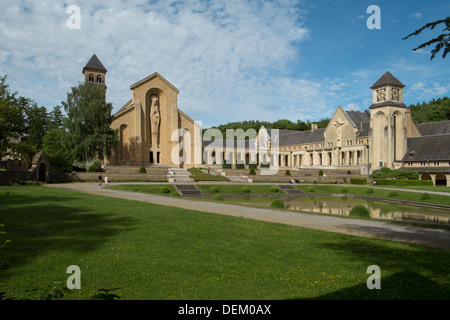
{"type": "Point", "coordinates": [245, 190]}
{"type": "Point", "coordinates": [360, 211]}
{"type": "Point", "coordinates": [214, 190]}
{"type": "Point", "coordinates": [253, 166]}
{"type": "Point", "coordinates": [240, 166]}
{"type": "Point", "coordinates": [227, 165]}
{"type": "Point", "coordinates": [274, 189]}
{"type": "Point", "coordinates": [358, 181]}
{"type": "Point", "coordinates": [142, 170]}
{"type": "Point", "coordinates": [277, 204]}
{"type": "Point", "coordinates": [164, 189]}
{"type": "Point", "coordinates": [393, 182]}
{"type": "Point", "coordinates": [252, 172]}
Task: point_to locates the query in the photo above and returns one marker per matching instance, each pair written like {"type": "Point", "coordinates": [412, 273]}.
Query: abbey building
{"type": "Point", "coordinates": [154, 131]}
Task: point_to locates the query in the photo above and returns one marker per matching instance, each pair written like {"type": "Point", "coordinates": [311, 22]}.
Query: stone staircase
{"type": "Point", "coordinates": [187, 190]}
{"type": "Point", "coordinates": [290, 189]}
{"type": "Point", "coordinates": [178, 175]}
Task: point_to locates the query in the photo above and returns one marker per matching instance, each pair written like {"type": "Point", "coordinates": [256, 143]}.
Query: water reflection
{"type": "Point", "coordinates": [343, 205]}
{"type": "Point", "coordinates": [377, 209]}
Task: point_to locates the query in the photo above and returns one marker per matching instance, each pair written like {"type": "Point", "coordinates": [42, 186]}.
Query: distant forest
{"type": "Point", "coordinates": [435, 110]}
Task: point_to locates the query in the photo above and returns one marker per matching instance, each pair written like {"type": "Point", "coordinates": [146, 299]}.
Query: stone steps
{"type": "Point", "coordinates": [187, 190]}
{"type": "Point", "coordinates": [289, 189]}
{"type": "Point", "coordinates": [178, 175]}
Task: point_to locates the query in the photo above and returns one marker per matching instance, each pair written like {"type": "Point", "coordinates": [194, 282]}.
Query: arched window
{"type": "Point", "coordinates": [99, 78]}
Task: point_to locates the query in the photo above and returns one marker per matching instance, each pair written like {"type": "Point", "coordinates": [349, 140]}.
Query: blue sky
{"type": "Point", "coordinates": [232, 60]}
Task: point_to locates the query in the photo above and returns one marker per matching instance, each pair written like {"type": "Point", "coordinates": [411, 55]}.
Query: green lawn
{"type": "Point", "coordinates": [147, 188]}
{"type": "Point", "coordinates": [147, 251]}
{"type": "Point", "coordinates": [199, 175]}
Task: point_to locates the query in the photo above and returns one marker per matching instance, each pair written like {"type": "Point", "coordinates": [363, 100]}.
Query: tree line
{"type": "Point", "coordinates": [82, 134]}
{"type": "Point", "coordinates": [435, 110]}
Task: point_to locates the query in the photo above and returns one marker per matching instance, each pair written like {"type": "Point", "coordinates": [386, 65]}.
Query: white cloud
{"type": "Point", "coordinates": [416, 15]}
{"type": "Point", "coordinates": [218, 53]}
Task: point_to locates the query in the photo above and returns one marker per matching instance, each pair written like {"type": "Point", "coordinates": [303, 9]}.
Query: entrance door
{"type": "Point", "coordinates": [42, 173]}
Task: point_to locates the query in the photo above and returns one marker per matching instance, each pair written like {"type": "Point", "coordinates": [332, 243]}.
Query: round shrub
{"type": "Point", "coordinates": [393, 194]}
{"type": "Point", "coordinates": [274, 189]}
{"type": "Point", "coordinates": [310, 189]}
{"type": "Point", "coordinates": [142, 170]}
{"type": "Point", "coordinates": [214, 190]}
{"type": "Point", "coordinates": [217, 197]}
{"type": "Point", "coordinates": [252, 172]}
{"type": "Point", "coordinates": [425, 196]}
{"type": "Point", "coordinates": [164, 189]}
{"type": "Point", "coordinates": [287, 173]}
{"type": "Point", "coordinates": [277, 204]}
{"type": "Point", "coordinates": [320, 173]}
{"type": "Point", "coordinates": [370, 191]}
{"type": "Point", "coordinates": [245, 190]}
{"type": "Point", "coordinates": [96, 166]}
{"type": "Point", "coordinates": [360, 211]}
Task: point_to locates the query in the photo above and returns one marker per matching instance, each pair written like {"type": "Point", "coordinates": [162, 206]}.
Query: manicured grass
{"type": "Point", "coordinates": [147, 251]}
{"type": "Point", "coordinates": [199, 175]}
{"type": "Point", "coordinates": [378, 192]}
{"type": "Point", "coordinates": [147, 188]}
{"type": "Point", "coordinates": [238, 189]}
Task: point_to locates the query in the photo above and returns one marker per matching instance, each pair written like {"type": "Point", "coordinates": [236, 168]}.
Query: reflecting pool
{"type": "Point", "coordinates": [343, 205]}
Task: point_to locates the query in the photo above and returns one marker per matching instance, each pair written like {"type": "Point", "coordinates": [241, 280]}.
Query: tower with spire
{"type": "Point", "coordinates": [389, 122]}
{"type": "Point", "coordinates": [94, 71]}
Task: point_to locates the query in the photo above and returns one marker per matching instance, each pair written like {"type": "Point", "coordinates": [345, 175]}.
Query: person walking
{"type": "Point", "coordinates": [100, 180]}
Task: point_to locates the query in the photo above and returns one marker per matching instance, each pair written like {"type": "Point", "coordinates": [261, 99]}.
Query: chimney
{"type": "Point", "coordinates": [314, 126]}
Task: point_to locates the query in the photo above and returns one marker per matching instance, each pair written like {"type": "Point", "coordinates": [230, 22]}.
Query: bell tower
{"type": "Point", "coordinates": [94, 72]}
{"type": "Point", "coordinates": [388, 123]}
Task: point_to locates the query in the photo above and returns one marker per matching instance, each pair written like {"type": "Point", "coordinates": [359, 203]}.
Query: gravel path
{"type": "Point", "coordinates": [432, 237]}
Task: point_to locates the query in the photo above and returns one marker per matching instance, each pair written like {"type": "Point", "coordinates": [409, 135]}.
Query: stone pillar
{"type": "Point", "coordinates": [433, 178]}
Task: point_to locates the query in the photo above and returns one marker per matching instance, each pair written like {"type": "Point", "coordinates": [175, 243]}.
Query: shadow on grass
{"type": "Point", "coordinates": [413, 272]}
{"type": "Point", "coordinates": [50, 221]}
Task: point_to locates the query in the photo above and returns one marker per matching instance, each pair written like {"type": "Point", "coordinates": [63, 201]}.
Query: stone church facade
{"type": "Point", "coordinates": [153, 131]}
{"type": "Point", "coordinates": [150, 125]}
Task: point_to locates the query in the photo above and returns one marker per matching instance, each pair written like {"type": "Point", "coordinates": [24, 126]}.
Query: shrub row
{"type": "Point", "coordinates": [391, 182]}
{"type": "Point", "coordinates": [358, 181]}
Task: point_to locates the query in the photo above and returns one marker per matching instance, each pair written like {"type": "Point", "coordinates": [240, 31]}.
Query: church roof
{"type": "Point", "coordinates": [428, 148]}
{"type": "Point", "coordinates": [94, 64]}
{"type": "Point", "coordinates": [293, 137]}
{"type": "Point", "coordinates": [387, 78]}
{"type": "Point", "coordinates": [432, 128]}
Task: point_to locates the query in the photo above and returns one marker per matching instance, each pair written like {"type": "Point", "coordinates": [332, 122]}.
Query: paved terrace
{"type": "Point", "coordinates": [432, 237]}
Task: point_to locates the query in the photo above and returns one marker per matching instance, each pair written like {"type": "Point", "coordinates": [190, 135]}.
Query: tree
{"type": "Point", "coordinates": [14, 124]}
{"type": "Point", "coordinates": [55, 118]}
{"type": "Point", "coordinates": [57, 150]}
{"type": "Point", "coordinates": [36, 126]}
{"type": "Point", "coordinates": [88, 122]}
{"type": "Point", "coordinates": [441, 41]}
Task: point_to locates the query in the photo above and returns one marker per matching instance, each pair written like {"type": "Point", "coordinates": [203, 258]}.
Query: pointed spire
{"type": "Point", "coordinates": [95, 65]}
{"type": "Point", "coordinates": [386, 79]}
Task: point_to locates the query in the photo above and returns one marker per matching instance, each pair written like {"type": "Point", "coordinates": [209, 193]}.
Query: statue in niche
{"type": "Point", "coordinates": [338, 124]}
{"type": "Point", "coordinates": [155, 118]}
